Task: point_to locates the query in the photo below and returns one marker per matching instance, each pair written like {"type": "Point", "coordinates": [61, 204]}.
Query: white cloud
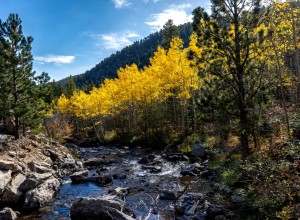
{"type": "Point", "coordinates": [154, 1]}
{"type": "Point", "coordinates": [177, 13]}
{"type": "Point", "coordinates": [121, 3]}
{"type": "Point", "coordinates": [115, 41]}
{"type": "Point", "coordinates": [56, 59]}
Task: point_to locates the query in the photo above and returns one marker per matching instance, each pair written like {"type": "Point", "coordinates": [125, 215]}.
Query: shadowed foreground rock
{"type": "Point", "coordinates": [104, 208]}
{"type": "Point", "coordinates": [7, 214]}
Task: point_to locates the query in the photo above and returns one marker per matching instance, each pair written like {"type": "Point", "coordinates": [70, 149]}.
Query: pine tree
{"type": "Point", "coordinates": [20, 100]}
{"type": "Point", "coordinates": [231, 41]}
{"type": "Point", "coordinates": [169, 32]}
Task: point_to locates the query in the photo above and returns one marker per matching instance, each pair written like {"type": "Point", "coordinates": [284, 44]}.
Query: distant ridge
{"type": "Point", "coordinates": [139, 53]}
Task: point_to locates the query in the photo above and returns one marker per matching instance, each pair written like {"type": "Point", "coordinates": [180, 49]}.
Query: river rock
{"type": "Point", "coordinates": [5, 177]}
{"type": "Point", "coordinates": [33, 180]}
{"type": "Point", "coordinates": [79, 176]}
{"type": "Point", "coordinates": [147, 159]}
{"type": "Point", "coordinates": [38, 168]}
{"type": "Point", "coordinates": [69, 162]}
{"type": "Point", "coordinates": [98, 161]}
{"type": "Point", "coordinates": [176, 157]}
{"type": "Point", "coordinates": [153, 169]}
{"type": "Point", "coordinates": [101, 180]}
{"type": "Point", "coordinates": [7, 214]}
{"type": "Point", "coordinates": [12, 192]}
{"type": "Point", "coordinates": [103, 207]}
{"type": "Point", "coordinates": [198, 150]}
{"type": "Point", "coordinates": [41, 195]}
{"type": "Point", "coordinates": [8, 165]}
{"type": "Point", "coordinates": [168, 195]}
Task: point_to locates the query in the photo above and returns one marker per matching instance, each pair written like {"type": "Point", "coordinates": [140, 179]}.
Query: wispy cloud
{"type": "Point", "coordinates": [115, 41]}
{"type": "Point", "coordinates": [56, 59]}
{"type": "Point", "coordinates": [178, 13]}
{"type": "Point", "coordinates": [154, 1]}
{"type": "Point", "coordinates": [121, 3]}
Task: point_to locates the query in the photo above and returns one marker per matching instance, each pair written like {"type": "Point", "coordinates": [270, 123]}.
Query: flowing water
{"type": "Point", "coordinates": [143, 186]}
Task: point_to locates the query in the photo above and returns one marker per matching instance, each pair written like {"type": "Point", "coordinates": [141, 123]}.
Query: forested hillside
{"type": "Point", "coordinates": [139, 53]}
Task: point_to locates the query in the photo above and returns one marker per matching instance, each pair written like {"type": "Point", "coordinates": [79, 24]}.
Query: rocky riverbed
{"type": "Point", "coordinates": [30, 173]}
{"type": "Point", "coordinates": [127, 183]}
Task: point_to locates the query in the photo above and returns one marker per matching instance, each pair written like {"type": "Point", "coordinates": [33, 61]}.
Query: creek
{"type": "Point", "coordinates": [146, 188]}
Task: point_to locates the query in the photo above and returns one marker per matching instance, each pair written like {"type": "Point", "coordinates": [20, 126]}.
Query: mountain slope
{"type": "Point", "coordinates": [139, 52]}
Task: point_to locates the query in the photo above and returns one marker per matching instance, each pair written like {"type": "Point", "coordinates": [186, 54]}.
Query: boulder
{"type": "Point", "coordinates": [98, 161]}
{"type": "Point", "coordinates": [168, 195]}
{"type": "Point", "coordinates": [41, 195]}
{"type": "Point", "coordinates": [101, 180]}
{"type": "Point", "coordinates": [8, 165]}
{"type": "Point", "coordinates": [176, 157]}
{"type": "Point", "coordinates": [147, 159]}
{"type": "Point", "coordinates": [7, 214]}
{"type": "Point", "coordinates": [104, 208]}
{"type": "Point", "coordinates": [69, 163]}
{"type": "Point", "coordinates": [79, 176]}
{"type": "Point", "coordinates": [12, 192]}
{"type": "Point", "coordinates": [38, 168]}
{"type": "Point", "coordinates": [5, 177]}
{"type": "Point", "coordinates": [33, 180]}
{"type": "Point", "coordinates": [198, 150]}
{"type": "Point", "coordinates": [153, 169]}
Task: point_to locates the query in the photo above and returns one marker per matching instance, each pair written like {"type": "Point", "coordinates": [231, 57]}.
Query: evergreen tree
{"type": "Point", "coordinates": [20, 99]}
{"type": "Point", "coordinates": [231, 44]}
{"type": "Point", "coordinates": [70, 87]}
{"type": "Point", "coordinates": [169, 32]}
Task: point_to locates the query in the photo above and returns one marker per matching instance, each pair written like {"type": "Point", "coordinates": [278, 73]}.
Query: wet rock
{"type": "Point", "coordinates": [119, 176]}
{"type": "Point", "coordinates": [153, 169]}
{"type": "Point", "coordinates": [38, 168]}
{"type": "Point", "coordinates": [41, 195]}
{"type": "Point", "coordinates": [192, 170]}
{"type": "Point", "coordinates": [198, 150]}
{"type": "Point", "coordinates": [168, 195]}
{"type": "Point", "coordinates": [98, 161]}
{"type": "Point", "coordinates": [176, 157]}
{"type": "Point", "coordinates": [5, 177]}
{"type": "Point", "coordinates": [101, 180]}
{"type": "Point", "coordinates": [119, 191]}
{"type": "Point", "coordinates": [8, 165]}
{"type": "Point", "coordinates": [79, 176]}
{"type": "Point", "coordinates": [104, 208]}
{"type": "Point", "coordinates": [12, 192]}
{"type": "Point", "coordinates": [33, 180]}
{"type": "Point", "coordinates": [8, 214]}
{"type": "Point", "coordinates": [147, 159]}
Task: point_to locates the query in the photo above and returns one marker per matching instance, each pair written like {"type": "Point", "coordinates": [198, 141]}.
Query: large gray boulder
{"type": "Point", "coordinates": [79, 176]}
{"type": "Point", "coordinates": [33, 180]}
{"type": "Point", "coordinates": [103, 207]}
{"type": "Point", "coordinates": [12, 192]}
{"type": "Point", "coordinates": [8, 165]}
{"type": "Point", "coordinates": [5, 177]}
{"type": "Point", "coordinates": [7, 214]}
{"type": "Point", "coordinates": [39, 168]}
{"type": "Point", "coordinates": [41, 195]}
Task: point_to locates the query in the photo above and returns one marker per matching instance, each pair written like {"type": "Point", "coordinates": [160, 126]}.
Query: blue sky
{"type": "Point", "coordinates": [72, 36]}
